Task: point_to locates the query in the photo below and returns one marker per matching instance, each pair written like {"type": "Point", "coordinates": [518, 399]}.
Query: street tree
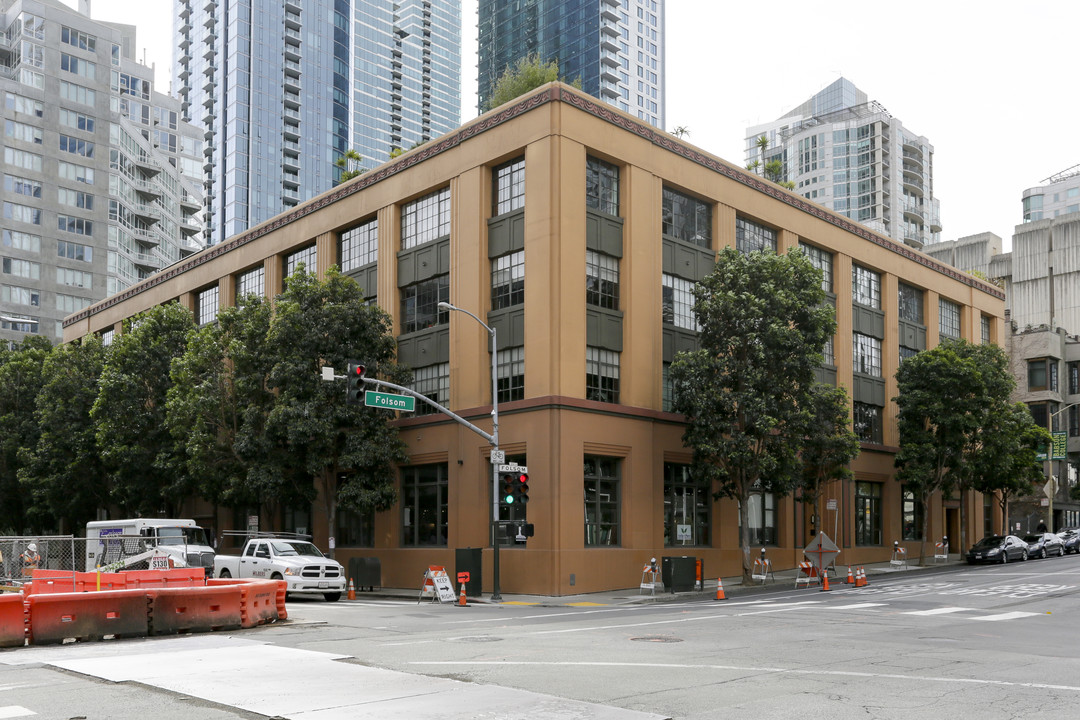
{"type": "Point", "coordinates": [348, 452]}
{"type": "Point", "coordinates": [219, 403]}
{"type": "Point", "coordinates": [528, 73]}
{"type": "Point", "coordinates": [350, 165]}
{"type": "Point", "coordinates": [1008, 466]}
{"type": "Point", "coordinates": [142, 458]}
{"type": "Point", "coordinates": [20, 382]}
{"type": "Point", "coordinates": [949, 399]}
{"type": "Point", "coordinates": [63, 471]}
{"type": "Point", "coordinates": [746, 393]}
{"type": "Point", "coordinates": [829, 446]}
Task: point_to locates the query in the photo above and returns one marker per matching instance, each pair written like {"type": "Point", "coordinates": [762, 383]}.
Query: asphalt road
{"type": "Point", "coordinates": [983, 642]}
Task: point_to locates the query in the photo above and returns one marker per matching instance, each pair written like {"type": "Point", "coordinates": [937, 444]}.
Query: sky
{"type": "Point", "coordinates": [988, 84]}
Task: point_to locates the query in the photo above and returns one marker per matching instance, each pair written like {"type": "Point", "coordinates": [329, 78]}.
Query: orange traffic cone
{"type": "Point", "coordinates": [860, 578]}
{"type": "Point", "coordinates": [825, 582]}
{"type": "Point", "coordinates": [462, 600]}
{"type": "Point", "coordinates": [865, 582]}
{"type": "Point", "coordinates": [352, 590]}
{"type": "Point", "coordinates": [850, 578]}
{"type": "Point", "coordinates": [720, 590]}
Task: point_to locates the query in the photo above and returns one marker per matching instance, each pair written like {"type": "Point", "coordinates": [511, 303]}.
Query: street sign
{"type": "Point", "coordinates": [513, 468]}
{"type": "Point", "coordinates": [821, 551]}
{"type": "Point", "coordinates": [389, 401]}
{"type": "Point", "coordinates": [498, 456]}
{"type": "Point", "coordinates": [1050, 488]}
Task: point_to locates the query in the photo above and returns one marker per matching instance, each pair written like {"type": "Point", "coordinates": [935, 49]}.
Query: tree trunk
{"type": "Point", "coordinates": [925, 530]}
{"type": "Point", "coordinates": [744, 531]}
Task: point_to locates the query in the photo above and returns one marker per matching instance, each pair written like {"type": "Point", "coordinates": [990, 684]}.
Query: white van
{"type": "Point", "coordinates": [111, 542]}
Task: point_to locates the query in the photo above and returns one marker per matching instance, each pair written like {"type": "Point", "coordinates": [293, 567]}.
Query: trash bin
{"type": "Point", "coordinates": [679, 573]}
{"type": "Point", "coordinates": [365, 572]}
{"type": "Point", "coordinates": [469, 560]}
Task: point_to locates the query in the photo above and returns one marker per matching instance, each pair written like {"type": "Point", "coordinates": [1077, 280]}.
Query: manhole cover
{"type": "Point", "coordinates": [656, 639]}
{"type": "Point", "coordinates": [480, 638]}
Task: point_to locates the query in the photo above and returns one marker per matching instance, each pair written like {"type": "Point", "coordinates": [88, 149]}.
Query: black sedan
{"type": "Point", "coordinates": [1039, 545]}
{"type": "Point", "coordinates": [1071, 539]}
{"type": "Point", "coordinates": [998, 549]}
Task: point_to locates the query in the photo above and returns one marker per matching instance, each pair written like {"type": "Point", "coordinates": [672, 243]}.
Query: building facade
{"type": "Point", "coordinates": [281, 91]}
{"type": "Point", "coordinates": [616, 48]}
{"type": "Point", "coordinates": [1059, 196]}
{"type": "Point", "coordinates": [578, 233]}
{"type": "Point", "coordinates": [95, 192]}
{"type": "Point", "coordinates": [850, 155]}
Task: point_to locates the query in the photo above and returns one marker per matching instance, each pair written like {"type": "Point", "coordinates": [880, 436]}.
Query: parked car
{"type": "Point", "coordinates": [998, 549]}
{"type": "Point", "coordinates": [296, 561]}
{"type": "Point", "coordinates": [1039, 545]}
{"type": "Point", "coordinates": [1070, 538]}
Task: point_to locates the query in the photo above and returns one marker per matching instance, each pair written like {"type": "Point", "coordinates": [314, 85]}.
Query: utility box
{"type": "Point", "coordinates": [679, 573]}
{"type": "Point", "coordinates": [365, 572]}
{"type": "Point", "coordinates": [469, 560]}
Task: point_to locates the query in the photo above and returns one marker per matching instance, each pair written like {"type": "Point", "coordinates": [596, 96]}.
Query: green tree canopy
{"type": "Point", "coordinates": [829, 446]}
{"type": "Point", "coordinates": [747, 392]}
{"type": "Point", "coordinates": [528, 73]}
{"type": "Point", "coordinates": [1006, 462]}
{"type": "Point", "coordinates": [63, 471]}
{"type": "Point", "coordinates": [21, 377]}
{"type": "Point", "coordinates": [143, 460]}
{"type": "Point", "coordinates": [349, 165]}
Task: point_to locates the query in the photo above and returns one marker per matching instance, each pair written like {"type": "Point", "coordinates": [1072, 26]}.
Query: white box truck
{"type": "Point", "coordinates": [116, 544]}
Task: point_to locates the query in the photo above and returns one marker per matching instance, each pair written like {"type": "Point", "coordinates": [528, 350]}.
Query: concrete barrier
{"type": "Point", "coordinates": [12, 620]}
{"type": "Point", "coordinates": [56, 617]}
{"type": "Point", "coordinates": [194, 609]}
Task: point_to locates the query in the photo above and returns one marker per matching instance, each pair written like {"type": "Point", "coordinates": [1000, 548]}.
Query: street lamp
{"type": "Point", "coordinates": [495, 596]}
{"type": "Point", "coordinates": [1051, 481]}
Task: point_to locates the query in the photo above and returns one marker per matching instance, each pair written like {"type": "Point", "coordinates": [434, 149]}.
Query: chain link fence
{"type": "Point", "coordinates": [20, 555]}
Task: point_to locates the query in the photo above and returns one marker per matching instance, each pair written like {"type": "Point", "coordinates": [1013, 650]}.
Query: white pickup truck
{"type": "Point", "coordinates": [298, 562]}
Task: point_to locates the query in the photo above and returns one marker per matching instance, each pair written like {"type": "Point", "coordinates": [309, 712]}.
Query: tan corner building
{"type": "Point", "coordinates": [578, 232]}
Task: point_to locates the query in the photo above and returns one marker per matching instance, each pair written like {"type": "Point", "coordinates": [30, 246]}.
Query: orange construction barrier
{"type": "Point", "coordinates": [12, 621]}
{"type": "Point", "coordinates": [195, 609]}
{"type": "Point", "coordinates": [175, 577]}
{"type": "Point", "coordinates": [57, 617]}
{"type": "Point", "coordinates": [720, 590]}
{"type": "Point", "coordinates": [261, 602]}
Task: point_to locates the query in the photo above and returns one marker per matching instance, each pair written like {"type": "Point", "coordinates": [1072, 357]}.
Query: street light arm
{"type": "Point", "coordinates": [448, 306]}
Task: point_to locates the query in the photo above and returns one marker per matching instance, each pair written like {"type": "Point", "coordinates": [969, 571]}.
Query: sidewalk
{"type": "Point", "coordinates": [733, 587]}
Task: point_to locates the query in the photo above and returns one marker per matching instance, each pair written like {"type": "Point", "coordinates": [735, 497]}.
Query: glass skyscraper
{"type": "Point", "coordinates": [282, 90]}
{"type": "Point", "coordinates": [614, 47]}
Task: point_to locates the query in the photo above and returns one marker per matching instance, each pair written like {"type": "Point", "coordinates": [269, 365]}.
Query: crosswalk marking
{"type": "Point", "coordinates": [856, 606]}
{"type": "Point", "coordinates": [15, 711]}
{"type": "Point", "coordinates": [938, 611]}
{"type": "Point", "coordinates": [1005, 616]}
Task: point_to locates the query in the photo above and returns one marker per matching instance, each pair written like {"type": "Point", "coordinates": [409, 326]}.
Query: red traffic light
{"type": "Point", "coordinates": [357, 369]}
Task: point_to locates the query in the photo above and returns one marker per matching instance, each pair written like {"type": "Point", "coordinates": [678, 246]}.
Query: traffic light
{"type": "Point", "coordinates": [509, 485]}
{"type": "Point", "coordinates": [521, 487]}
{"type": "Point", "coordinates": [355, 390]}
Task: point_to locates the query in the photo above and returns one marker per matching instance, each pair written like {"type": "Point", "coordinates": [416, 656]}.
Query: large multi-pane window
{"type": "Point", "coordinates": [1074, 420]}
{"type": "Point", "coordinates": [828, 356]}
{"type": "Point", "coordinates": [22, 186]}
{"type": "Point", "coordinates": [425, 219]}
{"type": "Point", "coordinates": [910, 303]}
{"type": "Point", "coordinates": [601, 186]}
{"type": "Point", "coordinates": [687, 218]}
{"type": "Point", "coordinates": [1073, 369]}
{"type": "Point", "coordinates": [207, 305]}
{"type": "Point", "coordinates": [22, 268]}
{"type": "Point", "coordinates": [77, 225]}
{"type": "Point", "coordinates": [867, 513]}
{"type": "Point", "coordinates": [23, 213]}
{"type": "Point", "coordinates": [510, 374]}
{"type": "Point", "coordinates": [252, 282]}
{"type": "Point", "coordinates": [686, 507]}
{"type": "Point", "coordinates": [424, 502]}
{"type": "Point", "coordinates": [948, 319]}
{"type": "Point", "coordinates": [678, 302]}
{"type": "Point", "coordinates": [866, 422]}
{"type": "Point", "coordinates": [20, 295]}
{"type": "Point", "coordinates": [822, 260]}
{"type": "Point", "coordinates": [303, 255]}
{"type": "Point", "coordinates": [1043, 374]}
{"type": "Point", "coordinates": [984, 328]}
{"type": "Point", "coordinates": [601, 375]}
{"type": "Point", "coordinates": [74, 251]}
{"type": "Point", "coordinates": [911, 515]}
{"type": "Point", "coordinates": [865, 286]}
{"type": "Point", "coordinates": [354, 528]}
{"type": "Point", "coordinates": [420, 304]}
{"type": "Point", "coordinates": [508, 280]}
{"type": "Point", "coordinates": [761, 511]}
{"type": "Point", "coordinates": [601, 476]}
{"type": "Point", "coordinates": [866, 354]}
{"type": "Point", "coordinates": [509, 186]}
{"type": "Point", "coordinates": [359, 245]}
{"type": "Point", "coordinates": [432, 381]}
{"type": "Point", "coordinates": [753, 237]}
{"type": "Point", "coordinates": [21, 241]}
{"type": "Point", "coordinates": [601, 280]}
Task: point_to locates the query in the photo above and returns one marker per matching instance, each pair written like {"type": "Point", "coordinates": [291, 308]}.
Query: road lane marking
{"type": "Point", "coordinates": [1005, 616]}
{"type": "Point", "coordinates": [856, 606]}
{"type": "Point", "coordinates": [15, 711]}
{"type": "Point", "coordinates": [757, 670]}
{"type": "Point", "coordinates": [939, 611]}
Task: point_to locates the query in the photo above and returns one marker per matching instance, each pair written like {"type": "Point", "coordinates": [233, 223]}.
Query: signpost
{"type": "Point", "coordinates": [389, 401]}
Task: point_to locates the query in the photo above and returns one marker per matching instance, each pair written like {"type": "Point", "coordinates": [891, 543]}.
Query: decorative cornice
{"type": "Point", "coordinates": [552, 93]}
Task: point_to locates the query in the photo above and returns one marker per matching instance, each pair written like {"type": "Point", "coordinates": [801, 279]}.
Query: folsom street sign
{"type": "Point", "coordinates": [389, 401]}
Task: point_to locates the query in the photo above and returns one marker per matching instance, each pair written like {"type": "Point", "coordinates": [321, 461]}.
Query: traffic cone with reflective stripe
{"type": "Point", "coordinates": [352, 590]}
{"type": "Point", "coordinates": [462, 600]}
{"type": "Point", "coordinates": [825, 582]}
{"type": "Point", "coordinates": [860, 578]}
{"type": "Point", "coordinates": [720, 590]}
{"type": "Point", "coordinates": [865, 582]}
{"type": "Point", "coordinates": [850, 578]}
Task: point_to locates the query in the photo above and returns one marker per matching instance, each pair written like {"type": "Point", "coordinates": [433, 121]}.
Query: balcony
{"type": "Point", "coordinates": [146, 187]}
{"type": "Point", "coordinates": [292, 20]}
{"type": "Point", "coordinates": [146, 260]}
{"type": "Point", "coordinates": [292, 100]}
{"type": "Point", "coordinates": [291, 133]}
{"type": "Point", "coordinates": [290, 180]}
{"type": "Point", "coordinates": [292, 37]}
{"type": "Point", "coordinates": [292, 6]}
{"type": "Point", "coordinates": [291, 52]}
{"type": "Point", "coordinates": [190, 202]}
{"type": "Point", "coordinates": [292, 87]}
{"type": "Point", "coordinates": [147, 164]}
{"type": "Point", "coordinates": [292, 68]}
{"type": "Point", "coordinates": [190, 226]}
{"type": "Point", "coordinates": [291, 114]}
{"type": "Point", "coordinates": [148, 213]}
